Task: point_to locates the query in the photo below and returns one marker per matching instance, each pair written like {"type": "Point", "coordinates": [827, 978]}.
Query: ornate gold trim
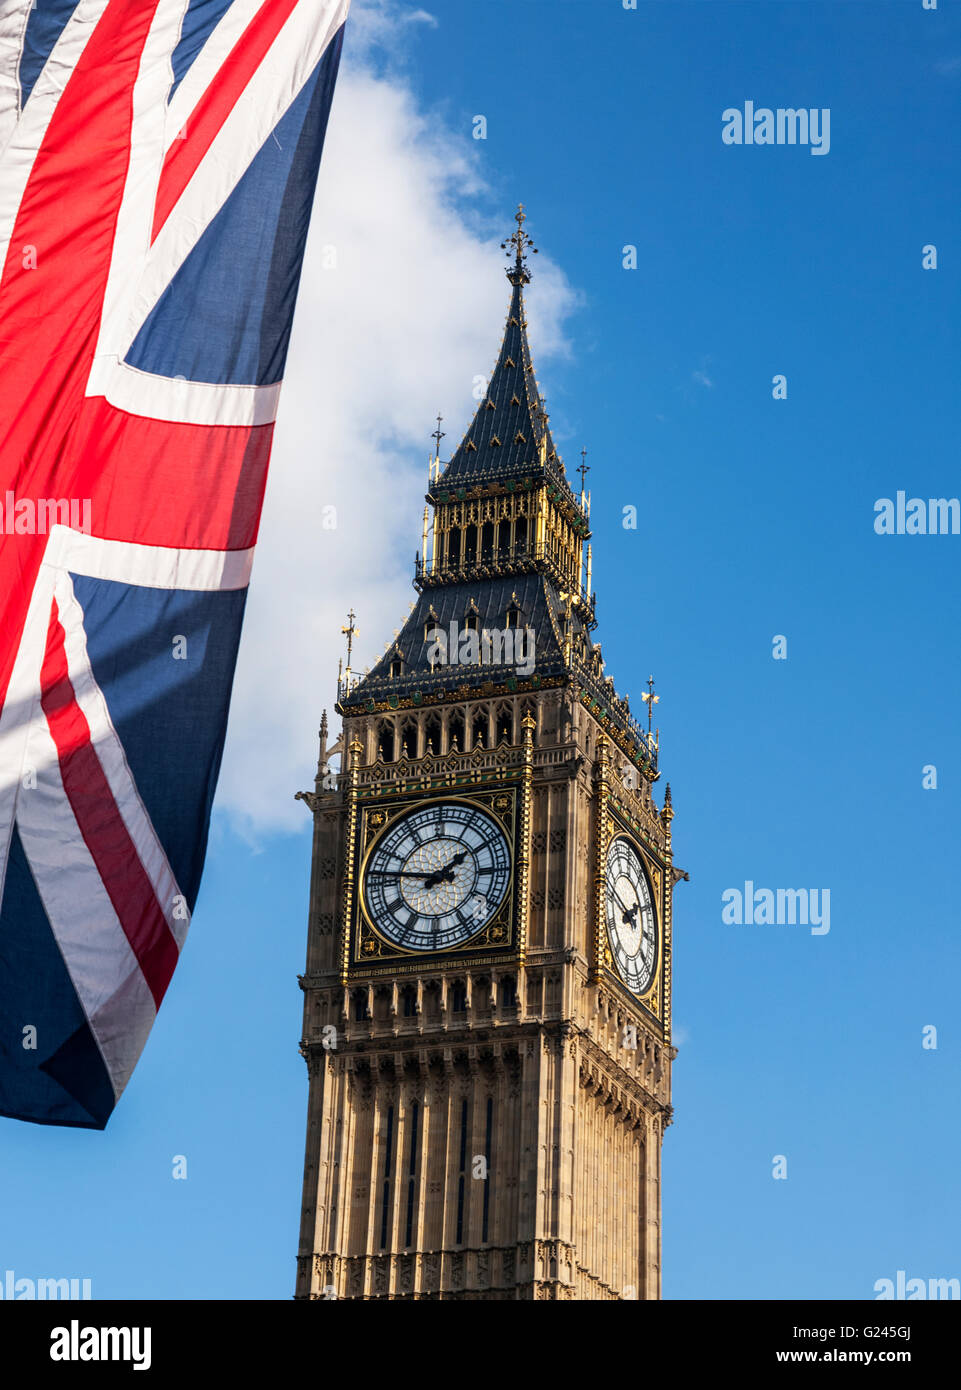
{"type": "Point", "coordinates": [354, 752]}
{"type": "Point", "coordinates": [371, 945]}
{"type": "Point", "coordinates": [601, 839]}
{"type": "Point", "coordinates": [656, 879]}
{"type": "Point", "coordinates": [524, 849]}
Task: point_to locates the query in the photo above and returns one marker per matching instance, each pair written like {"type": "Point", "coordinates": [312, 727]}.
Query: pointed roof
{"type": "Point", "coordinates": [509, 436]}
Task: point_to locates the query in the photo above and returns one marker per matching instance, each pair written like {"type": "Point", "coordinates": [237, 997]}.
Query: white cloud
{"type": "Point", "coordinates": [396, 332]}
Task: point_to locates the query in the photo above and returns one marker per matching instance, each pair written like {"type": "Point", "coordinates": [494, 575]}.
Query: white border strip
{"type": "Point", "coordinates": [21, 707]}
{"type": "Point", "coordinates": [135, 216]}
{"type": "Point", "coordinates": [149, 566]}
{"type": "Point", "coordinates": [99, 959]}
{"type": "Point", "coordinates": [206, 65]}
{"type": "Point", "coordinates": [269, 94]}
{"type": "Point", "coordinates": [13, 31]}
{"type": "Point", "coordinates": [113, 760]}
{"type": "Point", "coordinates": [181, 401]}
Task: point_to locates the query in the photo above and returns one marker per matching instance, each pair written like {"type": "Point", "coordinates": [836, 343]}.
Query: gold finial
{"type": "Point", "coordinates": [650, 700]}
{"type": "Point", "coordinates": [584, 469]}
{"type": "Point", "coordinates": [344, 673]}
{"type": "Point", "coordinates": [350, 632]}
{"type": "Point", "coordinates": [433, 460]}
{"type": "Point", "coordinates": [437, 436]}
{"type": "Point", "coordinates": [518, 273]}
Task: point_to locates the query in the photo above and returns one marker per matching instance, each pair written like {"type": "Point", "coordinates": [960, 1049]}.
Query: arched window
{"type": "Point", "coordinates": [520, 536]}
{"type": "Point", "coordinates": [487, 542]}
{"type": "Point", "coordinates": [453, 548]}
{"type": "Point", "coordinates": [513, 617]}
{"type": "Point", "coordinates": [503, 539]}
{"type": "Point", "coordinates": [412, 1122]}
{"type": "Point", "coordinates": [505, 726]}
{"type": "Point", "coordinates": [470, 546]}
{"type": "Point", "coordinates": [479, 731]}
{"type": "Point", "coordinates": [432, 735]}
{"type": "Point", "coordinates": [458, 998]}
{"type": "Point", "coordinates": [408, 739]}
{"type": "Point", "coordinates": [385, 741]}
{"type": "Point", "coordinates": [455, 734]}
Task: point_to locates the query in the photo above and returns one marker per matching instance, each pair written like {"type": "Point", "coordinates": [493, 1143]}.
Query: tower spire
{"type": "Point", "coordinates": [518, 272]}
{"type": "Point", "coordinates": [509, 438]}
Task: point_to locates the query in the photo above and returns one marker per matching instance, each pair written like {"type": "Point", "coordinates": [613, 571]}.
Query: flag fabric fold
{"type": "Point", "coordinates": [158, 160]}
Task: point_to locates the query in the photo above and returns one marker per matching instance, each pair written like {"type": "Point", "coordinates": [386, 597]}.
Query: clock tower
{"type": "Point", "coordinates": [487, 995]}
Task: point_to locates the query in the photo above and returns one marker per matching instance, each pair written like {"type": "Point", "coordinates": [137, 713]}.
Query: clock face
{"type": "Point", "coordinates": [631, 928]}
{"type": "Point", "coordinates": [437, 876]}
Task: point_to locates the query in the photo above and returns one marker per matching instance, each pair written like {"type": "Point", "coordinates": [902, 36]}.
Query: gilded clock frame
{"type": "Point", "coordinates": [652, 999]}
{"type": "Point", "coordinates": [370, 947]}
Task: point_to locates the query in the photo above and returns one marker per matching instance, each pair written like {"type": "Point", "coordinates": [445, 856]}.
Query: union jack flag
{"type": "Point", "coordinates": [157, 168]}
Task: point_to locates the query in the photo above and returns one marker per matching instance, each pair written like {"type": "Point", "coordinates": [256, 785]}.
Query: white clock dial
{"type": "Point", "coordinates": [631, 925]}
{"type": "Point", "coordinates": [437, 876]}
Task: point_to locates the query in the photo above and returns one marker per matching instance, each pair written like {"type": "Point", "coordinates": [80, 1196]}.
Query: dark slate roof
{"type": "Point", "coordinates": [511, 412]}
{"type": "Point", "coordinates": [538, 603]}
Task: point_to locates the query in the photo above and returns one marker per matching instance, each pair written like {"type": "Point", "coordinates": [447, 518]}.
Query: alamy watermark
{"type": "Point", "coordinates": [809, 126]}
{"type": "Point", "coordinates": [466, 646]}
{"type": "Point", "coordinates": [907, 1289]}
{"type": "Point", "coordinates": [778, 907]}
{"type": "Point", "coordinates": [37, 516]}
{"type": "Point", "coordinates": [917, 516]}
{"type": "Point", "coordinates": [76, 1343]}
{"type": "Point", "coordinates": [40, 1289]}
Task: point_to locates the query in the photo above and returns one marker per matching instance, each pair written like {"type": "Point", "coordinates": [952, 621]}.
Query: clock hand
{"type": "Point", "coordinates": [394, 873]}
{"type": "Point", "coordinates": [444, 875]}
{"type": "Point", "coordinates": [614, 893]}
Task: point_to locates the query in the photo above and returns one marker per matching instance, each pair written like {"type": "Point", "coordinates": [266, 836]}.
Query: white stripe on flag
{"type": "Point", "coordinates": [126, 387]}
{"type": "Point", "coordinates": [174, 398]}
{"type": "Point", "coordinates": [103, 968]}
{"type": "Point", "coordinates": [271, 91]}
{"type": "Point", "coordinates": [113, 760]}
{"type": "Point", "coordinates": [150, 566]}
{"type": "Point", "coordinates": [13, 27]}
{"type": "Point", "coordinates": [206, 65]}
{"type": "Point", "coordinates": [135, 217]}
{"type": "Point", "coordinates": [20, 707]}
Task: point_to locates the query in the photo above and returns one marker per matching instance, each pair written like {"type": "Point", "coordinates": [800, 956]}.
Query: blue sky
{"type": "Point", "coordinates": [756, 519]}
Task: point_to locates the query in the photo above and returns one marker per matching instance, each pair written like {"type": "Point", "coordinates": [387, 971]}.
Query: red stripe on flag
{"type": "Point", "coordinates": [213, 108]}
{"type": "Point", "coordinates": [194, 487]}
{"type": "Point", "coordinates": [101, 824]}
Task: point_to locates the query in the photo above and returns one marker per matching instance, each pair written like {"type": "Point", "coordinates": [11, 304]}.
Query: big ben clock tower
{"type": "Point", "coordinates": [487, 993]}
